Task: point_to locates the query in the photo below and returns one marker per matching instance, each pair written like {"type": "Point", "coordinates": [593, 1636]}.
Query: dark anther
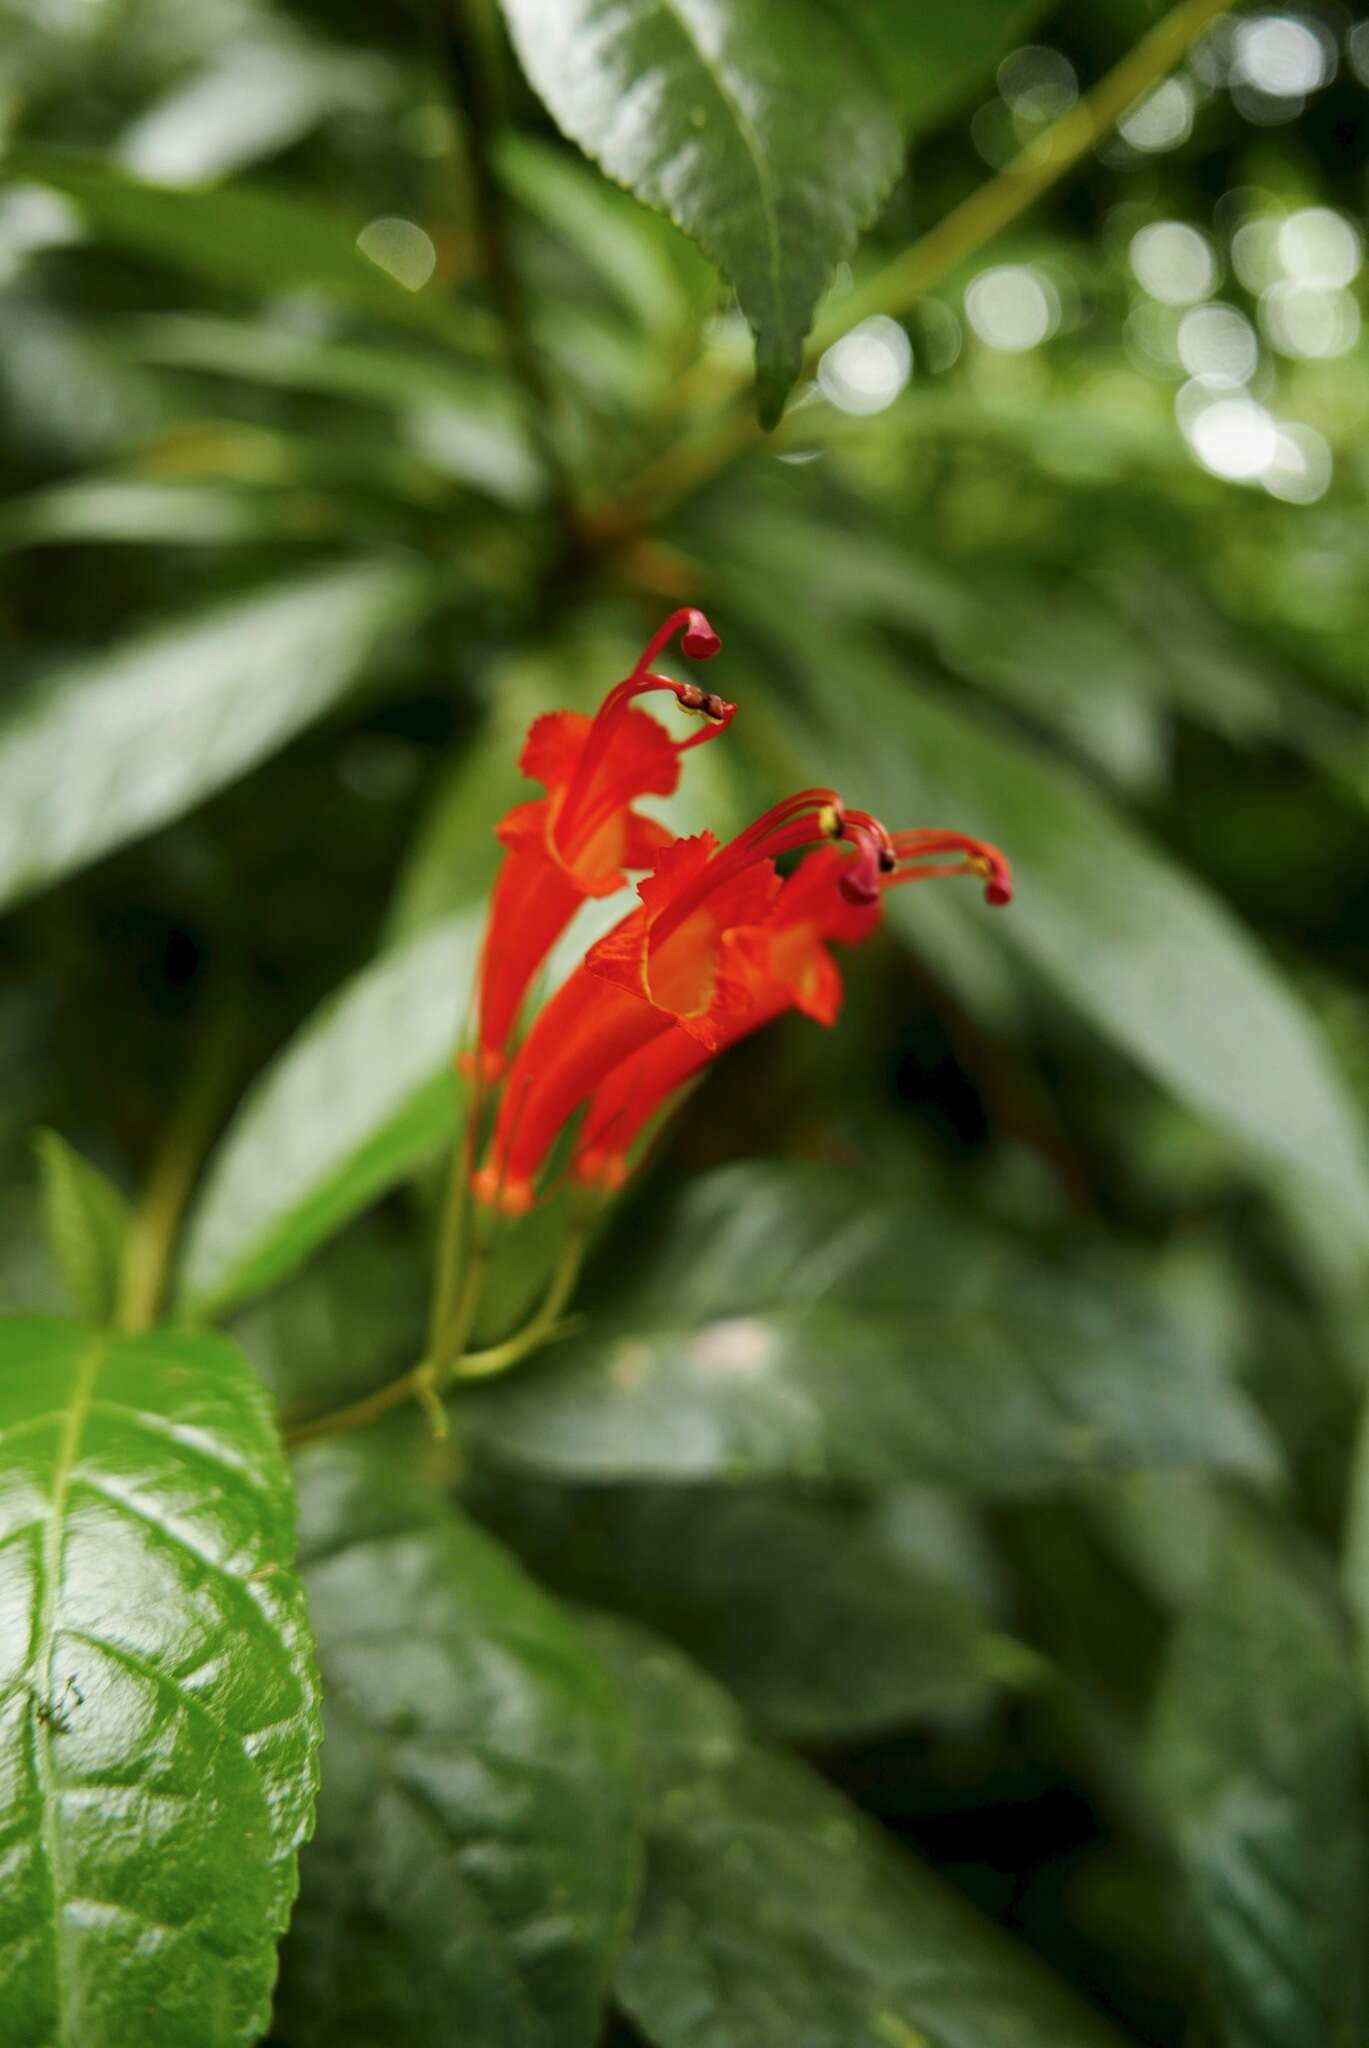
{"type": "Point", "coordinates": [714, 708]}
{"type": "Point", "coordinates": [888, 860]}
{"type": "Point", "coordinates": [691, 698]}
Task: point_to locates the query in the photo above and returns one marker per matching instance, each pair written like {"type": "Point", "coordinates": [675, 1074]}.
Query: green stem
{"type": "Point", "coordinates": [156, 1219]}
{"type": "Point", "coordinates": [499, 1357]}
{"type": "Point", "coordinates": [963, 232]}
{"type": "Point", "coordinates": [1017, 187]}
{"type": "Point", "coordinates": [423, 1382]}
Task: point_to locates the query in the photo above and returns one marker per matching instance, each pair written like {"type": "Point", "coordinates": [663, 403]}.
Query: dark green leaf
{"type": "Point", "coordinates": [85, 1221]}
{"type": "Point", "coordinates": [772, 151]}
{"type": "Point", "coordinates": [1257, 1748]}
{"type": "Point", "coordinates": [828, 1616]}
{"type": "Point", "coordinates": [476, 1849]}
{"type": "Point", "coordinates": [121, 742]}
{"type": "Point", "coordinates": [802, 1321]}
{"type": "Point", "coordinates": [773, 1912]}
{"type": "Point", "coordinates": [260, 240]}
{"type": "Point", "coordinates": [365, 1091]}
{"type": "Point", "coordinates": [159, 1717]}
{"type": "Point", "coordinates": [1137, 944]}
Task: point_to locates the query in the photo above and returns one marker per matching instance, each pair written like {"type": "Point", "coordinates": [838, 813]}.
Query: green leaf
{"type": "Point", "coordinates": [116, 744]}
{"type": "Point", "coordinates": [476, 1850]}
{"type": "Point", "coordinates": [930, 57]}
{"type": "Point", "coordinates": [365, 1091]}
{"type": "Point", "coordinates": [798, 1320]}
{"type": "Point", "coordinates": [829, 1616]}
{"type": "Point", "coordinates": [259, 240]}
{"type": "Point", "coordinates": [252, 101]}
{"type": "Point", "coordinates": [1257, 1750]}
{"type": "Point", "coordinates": [140, 509]}
{"type": "Point", "coordinates": [159, 1719]}
{"type": "Point", "coordinates": [1133, 941]}
{"type": "Point", "coordinates": [773, 151]}
{"type": "Point", "coordinates": [85, 1221]}
{"type": "Point", "coordinates": [774, 1912]}
{"type": "Point", "coordinates": [655, 276]}
{"type": "Point", "coordinates": [465, 418]}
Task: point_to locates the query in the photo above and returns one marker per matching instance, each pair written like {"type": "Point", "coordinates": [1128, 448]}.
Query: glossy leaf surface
{"type": "Point", "coordinates": [476, 1846]}
{"type": "Point", "coordinates": [159, 1718]}
{"type": "Point", "coordinates": [1257, 1747]}
{"type": "Point", "coordinates": [773, 1911]}
{"type": "Point", "coordinates": [800, 1322]}
{"type": "Point", "coordinates": [828, 1616]}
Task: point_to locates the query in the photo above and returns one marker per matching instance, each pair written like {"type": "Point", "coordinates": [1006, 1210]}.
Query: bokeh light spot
{"type": "Point", "coordinates": [1319, 246]}
{"type": "Point", "coordinates": [1173, 262]}
{"type": "Point", "coordinates": [1217, 341]}
{"type": "Point", "coordinates": [1012, 307]}
{"type": "Point", "coordinates": [1162, 120]}
{"type": "Point", "coordinates": [1305, 320]}
{"type": "Point", "coordinates": [401, 249]}
{"type": "Point", "coordinates": [1231, 435]}
{"type": "Point", "coordinates": [1039, 84]}
{"type": "Point", "coordinates": [1284, 55]}
{"type": "Point", "coordinates": [865, 371]}
{"type": "Point", "coordinates": [1300, 468]}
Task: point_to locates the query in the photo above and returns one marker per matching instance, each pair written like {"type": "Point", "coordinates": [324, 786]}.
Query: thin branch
{"type": "Point", "coordinates": [423, 1382]}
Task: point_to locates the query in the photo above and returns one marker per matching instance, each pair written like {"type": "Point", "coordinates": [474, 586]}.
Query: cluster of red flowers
{"type": "Point", "coordinates": [720, 944]}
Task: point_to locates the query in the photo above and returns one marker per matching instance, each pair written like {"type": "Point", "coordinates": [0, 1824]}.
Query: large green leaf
{"type": "Point", "coordinates": [775, 1912]}
{"type": "Point", "coordinates": [364, 1092]}
{"type": "Point", "coordinates": [159, 1716]}
{"type": "Point", "coordinates": [476, 1850]}
{"type": "Point", "coordinates": [772, 150]}
{"type": "Point", "coordinates": [828, 1615]}
{"type": "Point", "coordinates": [262, 241]}
{"type": "Point", "coordinates": [102, 751]}
{"type": "Point", "coordinates": [1257, 1747]}
{"type": "Point", "coordinates": [803, 1321]}
{"type": "Point", "coordinates": [1131, 940]}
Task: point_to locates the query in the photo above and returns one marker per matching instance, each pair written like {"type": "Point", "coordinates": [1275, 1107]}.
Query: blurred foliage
{"type": "Point", "coordinates": [974, 1392]}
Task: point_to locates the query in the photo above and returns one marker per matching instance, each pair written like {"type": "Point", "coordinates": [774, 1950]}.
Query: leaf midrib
{"type": "Point", "coordinates": [753, 150]}
{"type": "Point", "coordinates": [40, 1662]}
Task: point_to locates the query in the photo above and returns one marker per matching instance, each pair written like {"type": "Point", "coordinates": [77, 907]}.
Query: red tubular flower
{"type": "Point", "coordinates": [577, 840]}
{"type": "Point", "coordinates": [667, 967]}
{"type": "Point", "coordinates": [781, 964]}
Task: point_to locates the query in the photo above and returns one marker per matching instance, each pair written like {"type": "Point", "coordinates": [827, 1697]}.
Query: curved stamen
{"type": "Point", "coordinates": [875, 857]}
{"type": "Point", "coordinates": [698, 639]}
{"type": "Point", "coordinates": [978, 857]}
